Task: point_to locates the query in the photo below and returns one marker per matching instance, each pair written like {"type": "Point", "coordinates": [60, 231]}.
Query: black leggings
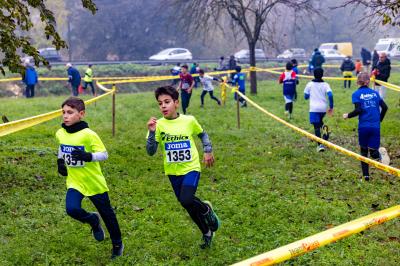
{"type": "Point", "coordinates": [289, 107]}
{"type": "Point", "coordinates": [211, 95]}
{"type": "Point", "coordinates": [185, 187]}
{"type": "Point", "coordinates": [317, 130]}
{"type": "Point", "coordinates": [374, 155]}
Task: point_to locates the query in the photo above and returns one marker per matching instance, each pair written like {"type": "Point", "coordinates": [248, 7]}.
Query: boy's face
{"type": "Point", "coordinates": [184, 70]}
{"type": "Point", "coordinates": [71, 116]}
{"type": "Point", "coordinates": [168, 106]}
{"type": "Point", "coordinates": [201, 74]}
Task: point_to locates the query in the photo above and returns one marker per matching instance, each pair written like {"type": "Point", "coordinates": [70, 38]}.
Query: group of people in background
{"type": "Point", "coordinates": [74, 80]}
{"type": "Point", "coordinates": [380, 69]}
{"type": "Point", "coordinates": [369, 104]}
{"type": "Point", "coordinates": [30, 79]}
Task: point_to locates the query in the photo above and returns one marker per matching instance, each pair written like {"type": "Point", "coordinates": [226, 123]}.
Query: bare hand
{"type": "Point", "coordinates": [330, 111]}
{"type": "Point", "coordinates": [152, 124]}
{"type": "Point", "coordinates": [208, 159]}
{"type": "Point", "coordinates": [189, 90]}
{"type": "Point", "coordinates": [345, 116]}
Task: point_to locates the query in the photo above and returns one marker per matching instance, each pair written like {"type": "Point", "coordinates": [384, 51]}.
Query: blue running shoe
{"type": "Point", "coordinates": [97, 230]}
{"type": "Point", "coordinates": [211, 217]}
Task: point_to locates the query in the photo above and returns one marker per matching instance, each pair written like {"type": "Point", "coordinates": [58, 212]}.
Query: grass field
{"type": "Point", "coordinates": [269, 186]}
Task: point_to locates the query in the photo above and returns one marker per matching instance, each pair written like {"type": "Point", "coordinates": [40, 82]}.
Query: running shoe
{"type": "Point", "coordinates": [117, 251]}
{"type": "Point", "coordinates": [207, 241]}
{"type": "Point", "coordinates": [97, 230]}
{"type": "Point", "coordinates": [211, 217]}
{"type": "Point", "coordinates": [385, 159]}
{"type": "Point", "coordinates": [320, 148]}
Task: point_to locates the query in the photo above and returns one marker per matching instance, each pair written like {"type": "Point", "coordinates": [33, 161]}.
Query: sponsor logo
{"type": "Point", "coordinates": [181, 145]}
{"type": "Point", "coordinates": [381, 220]}
{"type": "Point", "coordinates": [310, 246]}
{"type": "Point", "coordinates": [168, 137]}
{"type": "Point", "coordinates": [69, 148]}
{"type": "Point", "coordinates": [367, 96]}
{"type": "Point", "coordinates": [340, 234]}
{"type": "Point", "coordinates": [262, 262]}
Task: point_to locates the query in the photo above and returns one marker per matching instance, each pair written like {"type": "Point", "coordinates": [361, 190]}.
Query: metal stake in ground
{"type": "Point", "coordinates": [113, 110]}
{"type": "Point", "coordinates": [238, 110]}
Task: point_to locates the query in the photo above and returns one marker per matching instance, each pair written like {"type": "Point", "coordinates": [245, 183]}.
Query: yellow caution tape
{"type": "Point", "coordinates": [21, 124]}
{"type": "Point", "coordinates": [386, 168]}
{"type": "Point", "coordinates": [321, 239]}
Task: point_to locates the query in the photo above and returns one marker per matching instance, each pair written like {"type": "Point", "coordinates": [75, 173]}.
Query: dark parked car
{"type": "Point", "coordinates": [50, 54]}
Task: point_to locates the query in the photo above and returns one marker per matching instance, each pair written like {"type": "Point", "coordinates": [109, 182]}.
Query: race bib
{"type": "Point", "coordinates": [185, 85]}
{"type": "Point", "coordinates": [66, 151]}
{"type": "Point", "coordinates": [178, 152]}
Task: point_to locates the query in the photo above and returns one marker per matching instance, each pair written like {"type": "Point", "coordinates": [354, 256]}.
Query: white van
{"type": "Point", "coordinates": [390, 46]}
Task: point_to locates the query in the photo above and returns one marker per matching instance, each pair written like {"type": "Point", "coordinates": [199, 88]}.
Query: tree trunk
{"type": "Point", "coordinates": [253, 74]}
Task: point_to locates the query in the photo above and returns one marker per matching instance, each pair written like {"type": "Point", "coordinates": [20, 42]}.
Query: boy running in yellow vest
{"type": "Point", "coordinates": [88, 79]}
{"type": "Point", "coordinates": [174, 132]}
{"type": "Point", "coordinates": [79, 154]}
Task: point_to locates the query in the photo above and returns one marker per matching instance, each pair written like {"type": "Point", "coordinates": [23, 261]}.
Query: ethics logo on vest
{"type": "Point", "coordinates": [169, 137]}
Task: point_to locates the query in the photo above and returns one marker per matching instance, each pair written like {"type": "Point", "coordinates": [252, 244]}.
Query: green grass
{"type": "Point", "coordinates": [269, 186]}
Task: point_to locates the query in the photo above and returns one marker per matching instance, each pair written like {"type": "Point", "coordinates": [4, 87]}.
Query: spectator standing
{"type": "Point", "coordinates": [175, 71]}
{"type": "Point", "coordinates": [366, 58]}
{"type": "Point", "coordinates": [317, 59]}
{"type": "Point", "coordinates": [347, 69]}
{"type": "Point", "coordinates": [30, 78]}
{"type": "Point", "coordinates": [358, 66]}
{"type": "Point", "coordinates": [375, 59]}
{"type": "Point", "coordinates": [232, 65]}
{"type": "Point", "coordinates": [382, 72]}
{"type": "Point", "coordinates": [74, 79]}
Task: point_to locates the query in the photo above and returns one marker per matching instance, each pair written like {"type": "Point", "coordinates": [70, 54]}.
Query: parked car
{"type": "Point", "coordinates": [50, 54]}
{"type": "Point", "coordinates": [332, 53]}
{"type": "Point", "coordinates": [173, 54]}
{"type": "Point", "coordinates": [293, 53]}
{"type": "Point", "coordinates": [244, 55]}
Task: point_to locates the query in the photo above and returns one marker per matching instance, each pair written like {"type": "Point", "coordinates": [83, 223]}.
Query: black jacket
{"type": "Point", "coordinates": [347, 65]}
{"type": "Point", "coordinates": [384, 70]}
{"type": "Point", "coordinates": [232, 63]}
{"type": "Point", "coordinates": [375, 59]}
{"type": "Point", "coordinates": [366, 56]}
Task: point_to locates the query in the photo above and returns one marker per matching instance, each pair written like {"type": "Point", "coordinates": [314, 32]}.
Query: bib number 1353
{"type": "Point", "coordinates": [178, 152]}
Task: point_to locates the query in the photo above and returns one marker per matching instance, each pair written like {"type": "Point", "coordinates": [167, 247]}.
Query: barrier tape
{"type": "Point", "coordinates": [321, 239]}
{"type": "Point", "coordinates": [383, 83]}
{"type": "Point", "coordinates": [14, 126]}
{"type": "Point", "coordinates": [386, 168]}
{"type": "Point", "coordinates": [161, 78]}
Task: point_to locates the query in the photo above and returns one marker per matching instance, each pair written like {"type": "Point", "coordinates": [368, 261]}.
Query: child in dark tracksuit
{"type": "Point", "coordinates": [79, 154]}
{"type": "Point", "coordinates": [174, 132]}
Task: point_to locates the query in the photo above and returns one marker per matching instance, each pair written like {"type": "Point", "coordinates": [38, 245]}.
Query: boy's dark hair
{"type": "Point", "coordinates": [238, 69]}
{"type": "Point", "coordinates": [318, 73]}
{"type": "Point", "coordinates": [167, 90]}
{"type": "Point", "coordinates": [74, 102]}
{"type": "Point", "coordinates": [201, 71]}
{"type": "Point", "coordinates": [289, 66]}
{"type": "Point", "coordinates": [185, 66]}
{"type": "Point", "coordinates": [294, 62]}
{"type": "Point", "coordinates": [90, 65]}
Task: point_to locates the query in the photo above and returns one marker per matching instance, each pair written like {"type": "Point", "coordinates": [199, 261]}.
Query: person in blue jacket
{"type": "Point", "coordinates": [30, 78]}
{"type": "Point", "coordinates": [239, 79]}
{"type": "Point", "coordinates": [74, 78]}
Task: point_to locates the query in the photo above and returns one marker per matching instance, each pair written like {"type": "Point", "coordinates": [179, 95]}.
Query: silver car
{"type": "Point", "coordinates": [173, 54]}
{"type": "Point", "coordinates": [244, 55]}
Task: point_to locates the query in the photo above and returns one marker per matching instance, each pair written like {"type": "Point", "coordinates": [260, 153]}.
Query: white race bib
{"type": "Point", "coordinates": [178, 152]}
{"type": "Point", "coordinates": [66, 151]}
